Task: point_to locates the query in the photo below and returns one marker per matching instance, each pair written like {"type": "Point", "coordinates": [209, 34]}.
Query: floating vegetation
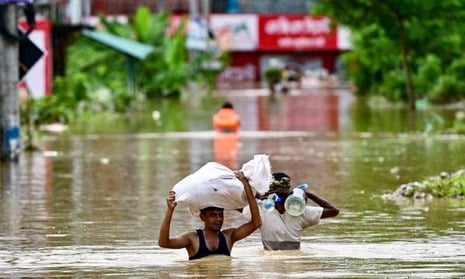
{"type": "Point", "coordinates": [444, 185]}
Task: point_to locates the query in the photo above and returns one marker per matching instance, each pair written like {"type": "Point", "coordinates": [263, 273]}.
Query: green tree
{"type": "Point", "coordinates": [169, 68]}
{"type": "Point", "coordinates": [164, 72]}
{"type": "Point", "coordinates": [394, 41]}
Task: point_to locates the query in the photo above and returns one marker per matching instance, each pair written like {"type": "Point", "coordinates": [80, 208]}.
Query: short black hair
{"type": "Point", "coordinates": [204, 210]}
{"type": "Point", "coordinates": [280, 175]}
{"type": "Point", "coordinates": [227, 105]}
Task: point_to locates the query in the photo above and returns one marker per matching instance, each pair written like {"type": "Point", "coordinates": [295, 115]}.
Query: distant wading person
{"type": "Point", "coordinates": [226, 119]}
{"type": "Point", "coordinates": [210, 240]}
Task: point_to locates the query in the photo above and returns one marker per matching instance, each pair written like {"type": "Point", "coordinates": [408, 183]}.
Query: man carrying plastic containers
{"type": "Point", "coordinates": [206, 193]}
{"type": "Point", "coordinates": [285, 213]}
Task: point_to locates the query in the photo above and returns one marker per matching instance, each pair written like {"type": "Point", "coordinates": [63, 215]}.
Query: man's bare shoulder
{"type": "Point", "coordinates": [192, 234]}
{"type": "Point", "coordinates": [191, 237]}
{"type": "Point", "coordinates": [229, 231]}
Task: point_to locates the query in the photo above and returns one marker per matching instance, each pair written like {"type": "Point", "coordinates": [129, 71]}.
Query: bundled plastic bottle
{"type": "Point", "coordinates": [295, 203]}
{"type": "Point", "coordinates": [268, 204]}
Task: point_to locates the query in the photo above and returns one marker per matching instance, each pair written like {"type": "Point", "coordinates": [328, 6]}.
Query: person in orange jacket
{"type": "Point", "coordinates": [226, 142]}
{"type": "Point", "coordinates": [226, 119]}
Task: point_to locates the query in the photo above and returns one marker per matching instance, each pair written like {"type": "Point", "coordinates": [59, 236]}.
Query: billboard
{"type": "Point", "coordinates": [275, 32]}
{"type": "Point", "coordinates": [296, 32]}
{"type": "Point", "coordinates": [235, 32]}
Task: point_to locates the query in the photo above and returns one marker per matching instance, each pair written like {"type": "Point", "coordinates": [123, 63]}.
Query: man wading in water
{"type": "Point", "coordinates": [211, 240]}
{"type": "Point", "coordinates": [282, 231]}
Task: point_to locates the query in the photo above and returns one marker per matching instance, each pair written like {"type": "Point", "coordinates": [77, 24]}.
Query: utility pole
{"type": "Point", "coordinates": [9, 77]}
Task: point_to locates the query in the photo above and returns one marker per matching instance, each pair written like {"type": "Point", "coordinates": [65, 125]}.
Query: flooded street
{"type": "Point", "coordinates": [90, 203]}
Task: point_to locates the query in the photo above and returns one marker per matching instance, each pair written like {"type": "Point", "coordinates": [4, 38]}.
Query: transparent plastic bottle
{"type": "Point", "coordinates": [295, 203]}
{"type": "Point", "coordinates": [268, 204]}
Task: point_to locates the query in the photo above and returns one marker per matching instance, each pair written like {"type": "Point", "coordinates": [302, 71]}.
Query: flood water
{"type": "Point", "coordinates": [90, 203]}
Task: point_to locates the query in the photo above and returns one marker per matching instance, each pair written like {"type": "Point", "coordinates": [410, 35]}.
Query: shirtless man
{"type": "Point", "coordinates": [210, 240]}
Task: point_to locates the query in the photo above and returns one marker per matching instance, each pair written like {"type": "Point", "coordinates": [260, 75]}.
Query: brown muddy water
{"type": "Point", "coordinates": [90, 203]}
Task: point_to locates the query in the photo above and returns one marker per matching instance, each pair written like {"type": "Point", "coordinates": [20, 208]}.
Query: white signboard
{"type": "Point", "coordinates": [235, 32]}
{"type": "Point", "coordinates": [197, 34]}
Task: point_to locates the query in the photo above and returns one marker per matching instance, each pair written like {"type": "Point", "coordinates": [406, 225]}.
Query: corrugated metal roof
{"type": "Point", "coordinates": [126, 46]}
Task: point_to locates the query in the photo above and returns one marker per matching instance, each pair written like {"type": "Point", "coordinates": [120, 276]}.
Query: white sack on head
{"type": "Point", "coordinates": [258, 171]}
{"type": "Point", "coordinates": [216, 185]}
{"type": "Point", "coordinates": [211, 185]}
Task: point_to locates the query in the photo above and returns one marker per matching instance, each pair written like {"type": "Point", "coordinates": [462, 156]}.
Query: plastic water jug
{"type": "Point", "coordinates": [268, 204]}
{"type": "Point", "coordinates": [295, 203]}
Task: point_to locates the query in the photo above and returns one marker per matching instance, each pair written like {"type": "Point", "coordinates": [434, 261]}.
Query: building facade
{"type": "Point", "coordinates": [257, 34]}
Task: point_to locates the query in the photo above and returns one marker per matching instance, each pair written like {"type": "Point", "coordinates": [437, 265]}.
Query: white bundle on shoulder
{"type": "Point", "coordinates": [258, 171]}
{"type": "Point", "coordinates": [216, 185]}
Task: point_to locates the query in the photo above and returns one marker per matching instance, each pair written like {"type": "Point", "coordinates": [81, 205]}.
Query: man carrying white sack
{"type": "Point", "coordinates": [216, 185]}
{"type": "Point", "coordinates": [210, 240]}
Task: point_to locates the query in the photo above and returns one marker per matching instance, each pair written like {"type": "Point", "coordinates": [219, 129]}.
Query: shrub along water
{"type": "Point", "coordinates": [450, 185]}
